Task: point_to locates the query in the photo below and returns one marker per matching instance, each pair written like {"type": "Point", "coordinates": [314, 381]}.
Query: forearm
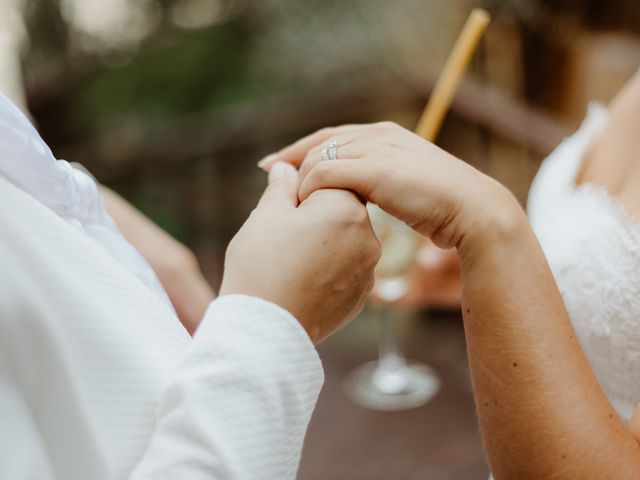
{"type": "Point", "coordinates": [542, 412]}
{"type": "Point", "coordinates": [161, 250]}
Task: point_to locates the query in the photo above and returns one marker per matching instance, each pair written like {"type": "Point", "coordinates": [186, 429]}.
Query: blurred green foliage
{"type": "Point", "coordinates": [209, 68]}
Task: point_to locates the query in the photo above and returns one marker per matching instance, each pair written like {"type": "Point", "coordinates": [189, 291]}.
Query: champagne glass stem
{"type": "Point", "coordinates": [391, 374]}
{"type": "Point", "coordinates": [390, 353]}
{"type": "Point", "coordinates": [391, 382]}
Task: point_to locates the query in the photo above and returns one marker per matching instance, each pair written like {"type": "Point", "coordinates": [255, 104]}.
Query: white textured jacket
{"type": "Point", "coordinates": [98, 378]}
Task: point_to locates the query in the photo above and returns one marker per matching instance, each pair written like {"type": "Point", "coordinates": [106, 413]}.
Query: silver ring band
{"type": "Point", "coordinates": [330, 152]}
{"type": "Point", "coordinates": [333, 150]}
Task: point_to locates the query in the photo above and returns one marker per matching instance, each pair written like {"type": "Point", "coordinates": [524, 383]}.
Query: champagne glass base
{"type": "Point", "coordinates": [410, 385]}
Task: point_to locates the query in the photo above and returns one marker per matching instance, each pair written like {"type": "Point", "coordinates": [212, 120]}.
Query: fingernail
{"type": "Point", "coordinates": [267, 160]}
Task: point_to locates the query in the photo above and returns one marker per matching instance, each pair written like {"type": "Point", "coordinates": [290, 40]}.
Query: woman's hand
{"type": "Point", "coordinates": [314, 258]}
{"type": "Point", "coordinates": [541, 410]}
{"type": "Point", "coordinates": [438, 195]}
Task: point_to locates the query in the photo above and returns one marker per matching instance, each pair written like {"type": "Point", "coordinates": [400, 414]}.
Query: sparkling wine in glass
{"type": "Point", "coordinates": [392, 382]}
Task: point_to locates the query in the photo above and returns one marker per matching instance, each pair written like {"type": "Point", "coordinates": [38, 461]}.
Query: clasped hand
{"type": "Point", "coordinates": [314, 258]}
{"type": "Point", "coordinates": [309, 245]}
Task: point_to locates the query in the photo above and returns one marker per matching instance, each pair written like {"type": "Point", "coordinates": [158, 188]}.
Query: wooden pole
{"type": "Point", "coordinates": [450, 78]}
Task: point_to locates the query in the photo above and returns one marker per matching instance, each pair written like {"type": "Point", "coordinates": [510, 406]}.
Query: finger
{"type": "Point", "coordinates": [296, 152]}
{"type": "Point", "coordinates": [283, 186]}
{"type": "Point", "coordinates": [355, 175]}
{"type": "Point", "coordinates": [323, 195]}
{"type": "Point", "coordinates": [345, 150]}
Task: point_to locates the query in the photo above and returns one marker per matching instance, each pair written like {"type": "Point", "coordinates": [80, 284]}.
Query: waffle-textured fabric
{"type": "Point", "coordinates": [98, 378]}
{"type": "Point", "coordinates": [66, 189]}
{"type": "Point", "coordinates": [593, 248]}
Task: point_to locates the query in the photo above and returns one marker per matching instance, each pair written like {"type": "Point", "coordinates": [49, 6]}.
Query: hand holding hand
{"type": "Point", "coordinates": [315, 259]}
{"type": "Point", "coordinates": [438, 195]}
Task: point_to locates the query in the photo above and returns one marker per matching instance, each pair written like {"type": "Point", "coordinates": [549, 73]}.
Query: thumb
{"type": "Point", "coordinates": [283, 186]}
{"type": "Point", "coordinates": [341, 174]}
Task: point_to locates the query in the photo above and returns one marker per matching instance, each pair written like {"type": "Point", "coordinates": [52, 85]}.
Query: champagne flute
{"type": "Point", "coordinates": [391, 382]}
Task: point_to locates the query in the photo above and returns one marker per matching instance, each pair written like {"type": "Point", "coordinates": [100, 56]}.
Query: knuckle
{"type": "Point", "coordinates": [352, 213]}
{"type": "Point", "coordinates": [360, 214]}
{"type": "Point", "coordinates": [369, 253]}
{"type": "Point", "coordinates": [387, 126]}
{"type": "Point", "coordinates": [327, 131]}
{"type": "Point", "coordinates": [371, 282]}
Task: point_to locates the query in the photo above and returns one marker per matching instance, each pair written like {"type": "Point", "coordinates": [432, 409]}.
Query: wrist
{"type": "Point", "coordinates": [174, 260]}
{"type": "Point", "coordinates": [498, 221]}
{"type": "Point", "coordinates": [230, 288]}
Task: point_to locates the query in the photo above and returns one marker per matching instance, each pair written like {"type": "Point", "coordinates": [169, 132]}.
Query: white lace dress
{"type": "Point", "coordinates": [593, 247]}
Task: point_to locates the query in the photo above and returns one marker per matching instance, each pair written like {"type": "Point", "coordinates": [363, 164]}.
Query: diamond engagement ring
{"type": "Point", "coordinates": [330, 152]}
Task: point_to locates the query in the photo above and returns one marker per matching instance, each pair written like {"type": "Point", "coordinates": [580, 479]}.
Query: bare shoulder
{"type": "Point", "coordinates": [613, 161]}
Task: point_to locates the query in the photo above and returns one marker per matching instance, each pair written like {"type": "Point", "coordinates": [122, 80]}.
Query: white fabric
{"type": "Point", "coordinates": [99, 380]}
{"type": "Point", "coordinates": [27, 162]}
{"type": "Point", "coordinates": [593, 248]}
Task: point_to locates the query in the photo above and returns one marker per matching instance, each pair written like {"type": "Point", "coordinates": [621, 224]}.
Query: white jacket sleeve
{"type": "Point", "coordinates": [240, 402]}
